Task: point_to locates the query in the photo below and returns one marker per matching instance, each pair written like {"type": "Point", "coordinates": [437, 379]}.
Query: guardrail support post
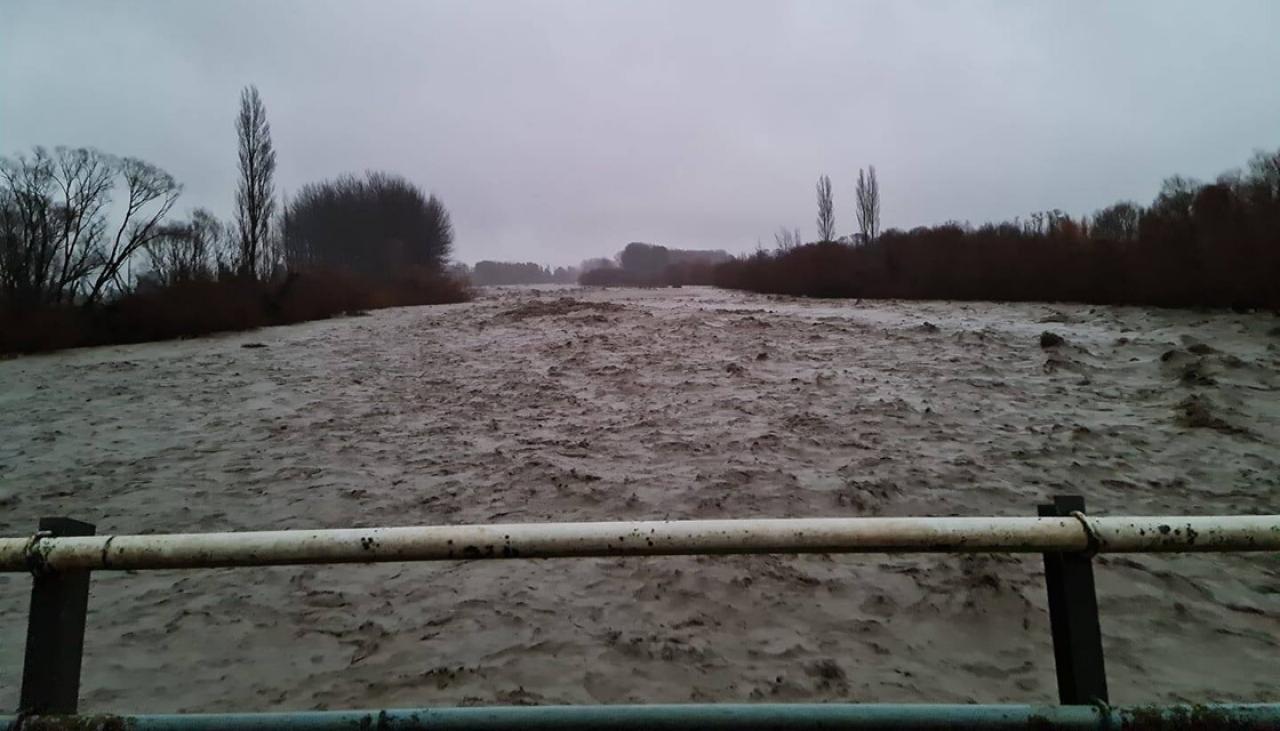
{"type": "Point", "coordinates": [55, 631]}
{"type": "Point", "coordinates": [1073, 617]}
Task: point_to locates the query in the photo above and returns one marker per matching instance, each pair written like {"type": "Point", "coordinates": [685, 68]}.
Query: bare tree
{"type": "Point", "coordinates": [84, 179]}
{"type": "Point", "coordinates": [28, 228]}
{"type": "Point", "coordinates": [1118, 222]}
{"type": "Point", "coordinates": [1264, 173]}
{"type": "Point", "coordinates": [255, 190]}
{"type": "Point", "coordinates": [1177, 194]}
{"type": "Point", "coordinates": [53, 225]}
{"type": "Point", "coordinates": [150, 194]}
{"type": "Point", "coordinates": [272, 258]}
{"type": "Point", "coordinates": [868, 205]}
{"type": "Point", "coordinates": [782, 239]}
{"type": "Point", "coordinates": [186, 251]}
{"type": "Point", "coordinates": [826, 211]}
{"type": "Point", "coordinates": [786, 240]}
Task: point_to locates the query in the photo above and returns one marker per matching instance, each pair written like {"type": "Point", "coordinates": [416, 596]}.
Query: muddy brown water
{"type": "Point", "coordinates": [625, 404]}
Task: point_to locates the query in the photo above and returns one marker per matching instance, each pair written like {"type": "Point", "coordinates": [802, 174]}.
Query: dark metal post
{"type": "Point", "coordinates": [55, 631]}
{"type": "Point", "coordinates": [1073, 615]}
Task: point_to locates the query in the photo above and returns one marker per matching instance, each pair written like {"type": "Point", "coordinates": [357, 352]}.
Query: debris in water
{"type": "Point", "coordinates": [1050, 339]}
{"type": "Point", "coordinates": [1196, 412]}
{"type": "Point", "coordinates": [1196, 374]}
{"type": "Point", "coordinates": [561, 306]}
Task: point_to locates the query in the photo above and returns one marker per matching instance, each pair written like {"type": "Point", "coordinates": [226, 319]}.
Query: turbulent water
{"type": "Point", "coordinates": [533, 405]}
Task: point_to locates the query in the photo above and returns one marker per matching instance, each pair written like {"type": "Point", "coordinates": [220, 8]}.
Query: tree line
{"type": "Point", "coordinates": [637, 265]}
{"type": "Point", "coordinates": [867, 213]}
{"type": "Point", "coordinates": [491, 273]}
{"type": "Point", "coordinates": [90, 251]}
{"type": "Point", "coordinates": [651, 265]}
{"type": "Point", "coordinates": [1196, 244]}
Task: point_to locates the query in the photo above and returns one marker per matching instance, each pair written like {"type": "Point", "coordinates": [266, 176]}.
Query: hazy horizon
{"type": "Point", "coordinates": [556, 132]}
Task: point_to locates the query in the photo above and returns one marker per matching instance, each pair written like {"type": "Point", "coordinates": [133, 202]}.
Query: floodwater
{"type": "Point", "coordinates": [536, 404]}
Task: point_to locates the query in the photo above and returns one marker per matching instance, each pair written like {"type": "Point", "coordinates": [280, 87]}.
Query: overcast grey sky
{"type": "Point", "coordinates": [559, 130]}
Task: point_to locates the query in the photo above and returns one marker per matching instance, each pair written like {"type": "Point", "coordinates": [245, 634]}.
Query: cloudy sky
{"type": "Point", "coordinates": [559, 130]}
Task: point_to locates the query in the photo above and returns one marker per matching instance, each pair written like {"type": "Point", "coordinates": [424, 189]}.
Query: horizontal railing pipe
{"type": "Point", "coordinates": [1240, 717]}
{"type": "Point", "coordinates": [1116, 534]}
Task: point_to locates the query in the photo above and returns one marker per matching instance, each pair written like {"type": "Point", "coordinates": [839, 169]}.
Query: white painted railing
{"type": "Point", "coordinates": [1076, 533]}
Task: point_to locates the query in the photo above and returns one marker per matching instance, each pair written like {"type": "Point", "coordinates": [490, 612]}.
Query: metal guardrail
{"type": "Point", "coordinates": [63, 553]}
{"type": "Point", "coordinates": [644, 538]}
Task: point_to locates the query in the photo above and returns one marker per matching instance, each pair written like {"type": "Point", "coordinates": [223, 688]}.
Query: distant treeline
{"type": "Point", "coordinates": [1197, 244]}
{"type": "Point", "coordinates": [490, 273]}
{"type": "Point", "coordinates": [90, 254]}
{"type": "Point", "coordinates": [637, 265]}
{"type": "Point", "coordinates": [649, 265]}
